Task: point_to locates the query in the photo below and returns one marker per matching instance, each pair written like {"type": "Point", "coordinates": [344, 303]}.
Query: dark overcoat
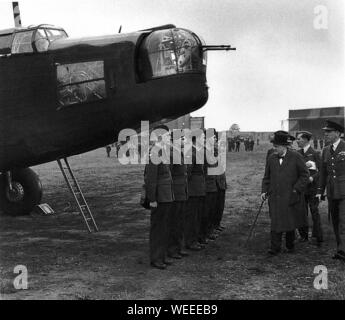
{"type": "Point", "coordinates": [287, 208]}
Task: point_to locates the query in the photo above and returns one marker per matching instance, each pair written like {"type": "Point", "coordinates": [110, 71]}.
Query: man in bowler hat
{"type": "Point", "coordinates": [286, 177]}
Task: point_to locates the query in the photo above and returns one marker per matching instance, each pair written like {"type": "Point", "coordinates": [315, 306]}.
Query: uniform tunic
{"type": "Point", "coordinates": [332, 177]}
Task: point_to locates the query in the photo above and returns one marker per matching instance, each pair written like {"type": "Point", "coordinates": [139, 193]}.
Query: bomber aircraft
{"type": "Point", "coordinates": [62, 96]}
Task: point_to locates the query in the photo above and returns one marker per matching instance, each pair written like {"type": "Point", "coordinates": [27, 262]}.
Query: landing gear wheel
{"type": "Point", "coordinates": [26, 192]}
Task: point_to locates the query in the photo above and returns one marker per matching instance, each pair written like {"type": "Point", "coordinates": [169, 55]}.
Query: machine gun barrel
{"type": "Point", "coordinates": [218, 47]}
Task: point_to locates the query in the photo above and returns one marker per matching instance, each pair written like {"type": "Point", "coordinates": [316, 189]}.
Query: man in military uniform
{"type": "Point", "coordinates": [332, 177]}
{"type": "Point", "coordinates": [313, 161]}
{"type": "Point", "coordinates": [285, 179]}
{"type": "Point", "coordinates": [159, 192]}
{"type": "Point", "coordinates": [177, 216]}
{"type": "Point", "coordinates": [221, 187]}
{"type": "Point", "coordinates": [195, 202]}
{"type": "Point", "coordinates": [210, 203]}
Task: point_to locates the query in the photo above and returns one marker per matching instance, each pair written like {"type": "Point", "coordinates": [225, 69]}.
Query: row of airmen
{"type": "Point", "coordinates": [186, 205]}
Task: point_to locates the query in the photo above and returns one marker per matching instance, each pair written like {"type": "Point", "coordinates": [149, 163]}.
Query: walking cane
{"type": "Point", "coordinates": [254, 223]}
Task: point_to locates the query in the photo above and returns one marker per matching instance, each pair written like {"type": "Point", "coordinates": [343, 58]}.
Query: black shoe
{"type": "Point", "coordinates": [340, 255]}
{"type": "Point", "coordinates": [273, 252]}
{"type": "Point", "coordinates": [304, 239]}
{"type": "Point", "coordinates": [168, 262]}
{"type": "Point", "coordinates": [212, 237]}
{"type": "Point", "coordinates": [175, 256]}
{"type": "Point", "coordinates": [204, 241]}
{"type": "Point", "coordinates": [201, 245]}
{"type": "Point", "coordinates": [290, 250]}
{"type": "Point", "coordinates": [194, 247]}
{"type": "Point", "coordinates": [183, 253]}
{"type": "Point", "coordinates": [159, 265]}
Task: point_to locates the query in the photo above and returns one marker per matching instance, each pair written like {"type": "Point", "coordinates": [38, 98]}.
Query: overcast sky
{"type": "Point", "coordinates": [282, 61]}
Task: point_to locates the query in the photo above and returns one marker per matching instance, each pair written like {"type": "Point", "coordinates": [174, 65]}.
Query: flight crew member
{"type": "Point", "coordinates": [108, 149]}
{"type": "Point", "coordinates": [210, 205]}
{"type": "Point", "coordinates": [177, 218]}
{"type": "Point", "coordinates": [332, 177]}
{"type": "Point", "coordinates": [238, 143]}
{"type": "Point", "coordinates": [313, 161]}
{"type": "Point", "coordinates": [159, 191]}
{"type": "Point", "coordinates": [221, 187]}
{"type": "Point", "coordinates": [195, 202]}
{"type": "Point", "coordinates": [286, 177]}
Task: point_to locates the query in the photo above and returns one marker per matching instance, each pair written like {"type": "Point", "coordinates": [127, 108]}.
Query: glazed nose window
{"type": "Point", "coordinates": [169, 52]}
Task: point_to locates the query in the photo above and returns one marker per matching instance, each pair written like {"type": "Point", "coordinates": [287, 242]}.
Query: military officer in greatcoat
{"type": "Point", "coordinates": [332, 178]}
{"type": "Point", "coordinates": [159, 192]}
{"type": "Point", "coordinates": [286, 177]}
{"type": "Point", "coordinates": [313, 161]}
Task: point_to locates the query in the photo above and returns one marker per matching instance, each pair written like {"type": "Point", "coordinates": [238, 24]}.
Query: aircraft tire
{"type": "Point", "coordinates": [28, 192]}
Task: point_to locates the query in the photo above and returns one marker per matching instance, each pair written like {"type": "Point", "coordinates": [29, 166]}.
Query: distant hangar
{"type": "Point", "coordinates": [314, 119]}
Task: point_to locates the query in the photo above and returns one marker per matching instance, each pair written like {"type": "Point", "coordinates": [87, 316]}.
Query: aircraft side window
{"type": "Point", "coordinates": [5, 44]}
{"type": "Point", "coordinates": [80, 82]}
{"type": "Point", "coordinates": [22, 42]}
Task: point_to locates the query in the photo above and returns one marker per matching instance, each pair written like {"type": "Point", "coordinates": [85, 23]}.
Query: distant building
{"type": "Point", "coordinates": [314, 119]}
{"type": "Point", "coordinates": [197, 123]}
{"type": "Point", "coordinates": [187, 121]}
{"type": "Point", "coordinates": [180, 123]}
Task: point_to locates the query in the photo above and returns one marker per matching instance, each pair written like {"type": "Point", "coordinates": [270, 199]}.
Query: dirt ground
{"type": "Point", "coordinates": [64, 261]}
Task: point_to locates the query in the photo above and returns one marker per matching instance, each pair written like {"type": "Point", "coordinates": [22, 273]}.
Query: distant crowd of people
{"type": "Point", "coordinates": [234, 144]}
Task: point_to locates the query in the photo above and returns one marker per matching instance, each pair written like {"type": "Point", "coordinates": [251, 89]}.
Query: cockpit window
{"type": "Point", "coordinates": [35, 40]}
{"type": "Point", "coordinates": [168, 52]}
{"type": "Point", "coordinates": [54, 34]}
{"type": "Point", "coordinates": [22, 42]}
{"type": "Point", "coordinates": [41, 41]}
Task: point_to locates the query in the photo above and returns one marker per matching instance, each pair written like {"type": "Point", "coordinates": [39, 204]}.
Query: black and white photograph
{"type": "Point", "coordinates": [188, 150]}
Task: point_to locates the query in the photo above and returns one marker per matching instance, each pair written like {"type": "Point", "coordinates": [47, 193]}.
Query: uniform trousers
{"type": "Point", "coordinates": [220, 209]}
{"type": "Point", "coordinates": [159, 231]}
{"type": "Point", "coordinates": [337, 212]}
{"type": "Point", "coordinates": [176, 227]}
{"type": "Point", "coordinates": [207, 215]}
{"type": "Point", "coordinates": [194, 208]}
{"type": "Point", "coordinates": [313, 203]}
